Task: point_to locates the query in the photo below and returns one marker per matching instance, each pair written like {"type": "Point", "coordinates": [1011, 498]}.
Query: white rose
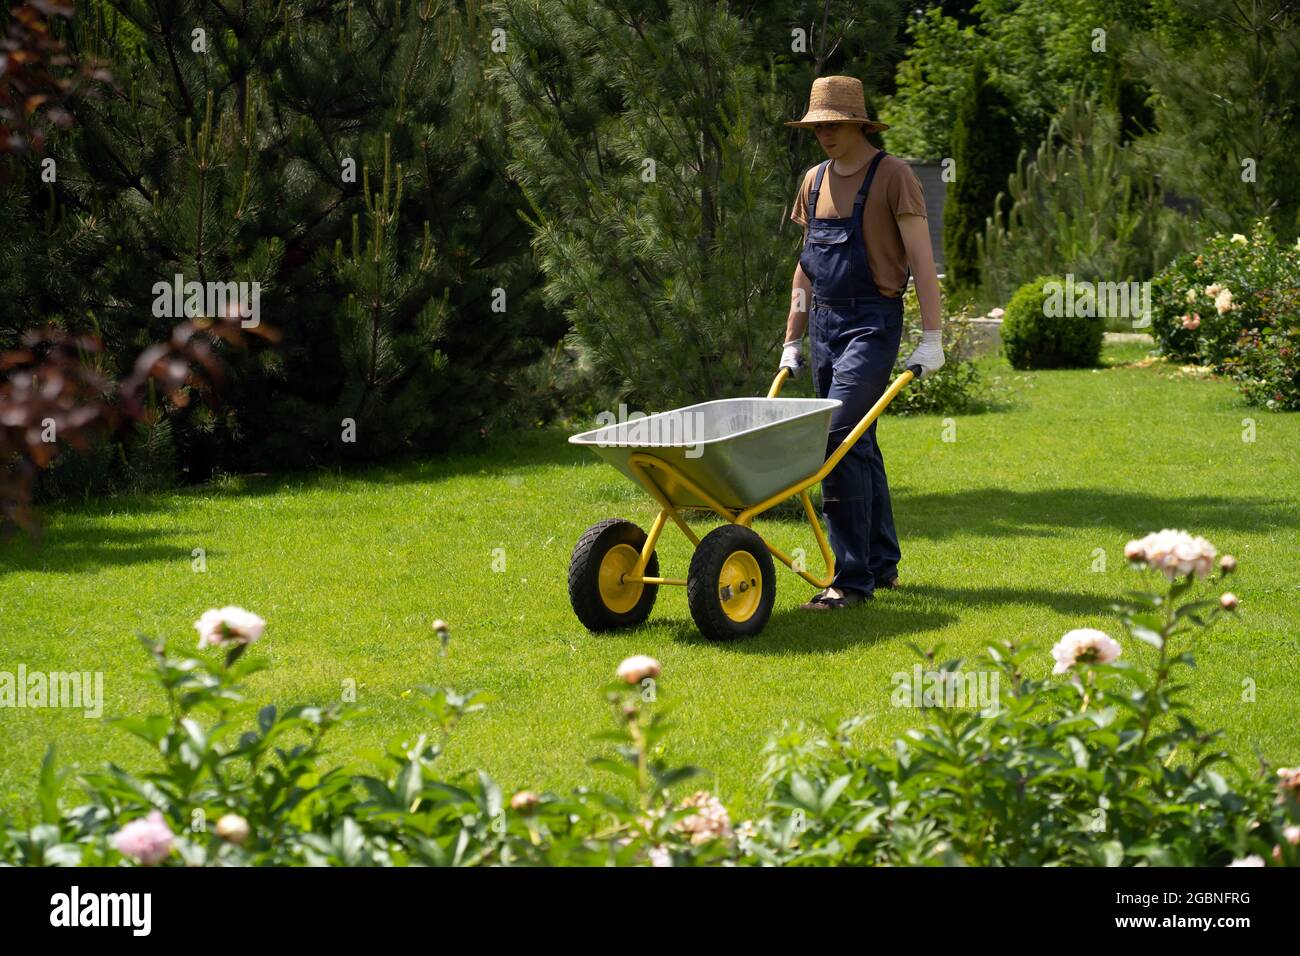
{"type": "Point", "coordinates": [637, 668]}
{"type": "Point", "coordinates": [1084, 645]}
{"type": "Point", "coordinates": [1238, 237]}
{"type": "Point", "coordinates": [1223, 301]}
{"type": "Point", "coordinates": [229, 626]}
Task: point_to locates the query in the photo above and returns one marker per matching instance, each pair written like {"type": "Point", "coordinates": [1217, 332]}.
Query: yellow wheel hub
{"type": "Point", "coordinates": [740, 586]}
{"type": "Point", "coordinates": [619, 596]}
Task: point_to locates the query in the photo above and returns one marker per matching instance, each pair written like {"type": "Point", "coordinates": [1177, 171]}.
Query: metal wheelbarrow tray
{"type": "Point", "coordinates": [735, 457]}
{"type": "Point", "coordinates": [739, 450]}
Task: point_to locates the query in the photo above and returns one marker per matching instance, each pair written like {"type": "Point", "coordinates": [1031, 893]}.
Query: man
{"type": "Point", "coordinates": [863, 214]}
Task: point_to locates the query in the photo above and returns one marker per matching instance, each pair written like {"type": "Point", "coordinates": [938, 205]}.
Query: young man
{"type": "Point", "coordinates": [863, 214]}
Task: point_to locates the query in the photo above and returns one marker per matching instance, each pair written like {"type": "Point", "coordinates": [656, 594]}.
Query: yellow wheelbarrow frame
{"type": "Point", "coordinates": [643, 465]}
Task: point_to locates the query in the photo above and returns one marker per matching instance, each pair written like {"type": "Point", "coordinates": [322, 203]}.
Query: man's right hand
{"type": "Point", "coordinates": [792, 358]}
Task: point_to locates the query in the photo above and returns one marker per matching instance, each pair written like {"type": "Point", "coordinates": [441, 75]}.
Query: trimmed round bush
{"type": "Point", "coordinates": [1038, 332]}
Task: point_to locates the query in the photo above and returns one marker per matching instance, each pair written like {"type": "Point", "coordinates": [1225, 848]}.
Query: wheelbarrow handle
{"type": "Point", "coordinates": [783, 373]}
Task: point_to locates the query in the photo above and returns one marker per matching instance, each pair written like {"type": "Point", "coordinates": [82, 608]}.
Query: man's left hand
{"type": "Point", "coordinates": [929, 354]}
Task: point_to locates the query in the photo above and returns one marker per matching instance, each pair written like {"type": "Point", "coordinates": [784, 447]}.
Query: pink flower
{"type": "Point", "coordinates": [1084, 645]}
{"type": "Point", "coordinates": [1229, 601]}
{"type": "Point", "coordinates": [1192, 322]}
{"type": "Point", "coordinates": [1289, 779]}
{"type": "Point", "coordinates": [1173, 553]}
{"type": "Point", "coordinates": [525, 801]}
{"type": "Point", "coordinates": [637, 668]}
{"type": "Point", "coordinates": [229, 626]}
{"type": "Point", "coordinates": [147, 841]}
{"type": "Point", "coordinates": [710, 822]}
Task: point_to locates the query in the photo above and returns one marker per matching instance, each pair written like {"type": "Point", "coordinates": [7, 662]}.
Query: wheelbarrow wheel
{"type": "Point", "coordinates": [731, 586]}
{"type": "Point", "coordinates": [606, 552]}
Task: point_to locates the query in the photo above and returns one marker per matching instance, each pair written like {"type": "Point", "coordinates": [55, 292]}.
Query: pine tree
{"type": "Point", "coordinates": [246, 142]}
{"type": "Point", "coordinates": [1233, 149]}
{"type": "Point", "coordinates": [1082, 203]}
{"type": "Point", "coordinates": [984, 153]}
{"type": "Point", "coordinates": [653, 162]}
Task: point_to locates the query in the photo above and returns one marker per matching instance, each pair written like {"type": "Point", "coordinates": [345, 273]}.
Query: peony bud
{"type": "Point", "coordinates": [443, 631]}
{"type": "Point", "coordinates": [1227, 564]}
{"type": "Point", "coordinates": [525, 801]}
{"type": "Point", "coordinates": [637, 668]}
{"type": "Point", "coordinates": [1229, 601]}
{"type": "Point", "coordinates": [233, 828]}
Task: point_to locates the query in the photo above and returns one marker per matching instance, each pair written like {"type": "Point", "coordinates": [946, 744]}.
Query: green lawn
{"type": "Point", "coordinates": [999, 531]}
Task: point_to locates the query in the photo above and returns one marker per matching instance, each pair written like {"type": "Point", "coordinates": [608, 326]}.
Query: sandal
{"type": "Point", "coordinates": [821, 602]}
{"type": "Point", "coordinates": [851, 598]}
{"type": "Point", "coordinates": [815, 603]}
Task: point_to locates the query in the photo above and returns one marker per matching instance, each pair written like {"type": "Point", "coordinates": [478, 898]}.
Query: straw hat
{"type": "Point", "coordinates": [838, 99]}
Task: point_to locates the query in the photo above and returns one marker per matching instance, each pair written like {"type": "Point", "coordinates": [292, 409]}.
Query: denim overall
{"type": "Point", "coordinates": [854, 333]}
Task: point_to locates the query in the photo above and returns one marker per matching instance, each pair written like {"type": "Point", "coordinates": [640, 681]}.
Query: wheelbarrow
{"type": "Point", "coordinates": [735, 457]}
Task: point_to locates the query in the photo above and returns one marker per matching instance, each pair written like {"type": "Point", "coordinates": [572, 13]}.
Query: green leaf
{"type": "Point", "coordinates": [266, 718]}
{"type": "Point", "coordinates": [624, 770]}
{"type": "Point", "coordinates": [804, 793]}
{"type": "Point", "coordinates": [832, 793]}
{"type": "Point", "coordinates": [48, 789]}
{"type": "Point", "coordinates": [1151, 637]}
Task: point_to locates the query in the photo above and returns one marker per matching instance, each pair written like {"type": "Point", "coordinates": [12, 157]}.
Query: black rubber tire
{"type": "Point", "coordinates": [702, 583]}
{"type": "Point", "coordinates": [584, 576]}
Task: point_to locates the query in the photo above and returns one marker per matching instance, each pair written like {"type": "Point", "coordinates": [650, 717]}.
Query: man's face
{"type": "Point", "coordinates": [837, 138]}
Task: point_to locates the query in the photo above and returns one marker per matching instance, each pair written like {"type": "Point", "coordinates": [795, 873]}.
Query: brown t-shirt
{"type": "Point", "coordinates": [894, 192]}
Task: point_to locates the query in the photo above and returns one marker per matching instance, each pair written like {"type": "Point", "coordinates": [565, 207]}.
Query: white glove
{"type": "Point", "coordinates": [792, 358]}
{"type": "Point", "coordinates": [929, 354]}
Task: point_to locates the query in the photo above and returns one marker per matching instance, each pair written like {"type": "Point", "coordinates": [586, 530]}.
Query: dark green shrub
{"type": "Point", "coordinates": [1037, 332]}
{"type": "Point", "coordinates": [957, 387]}
{"type": "Point", "coordinates": [984, 152]}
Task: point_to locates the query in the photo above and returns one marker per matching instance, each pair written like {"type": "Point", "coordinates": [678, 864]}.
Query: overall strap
{"type": "Point", "coordinates": [817, 188]}
{"type": "Point", "coordinates": [866, 183]}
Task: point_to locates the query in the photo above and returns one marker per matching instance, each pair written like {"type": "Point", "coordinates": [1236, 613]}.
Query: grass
{"type": "Point", "coordinates": [1000, 528]}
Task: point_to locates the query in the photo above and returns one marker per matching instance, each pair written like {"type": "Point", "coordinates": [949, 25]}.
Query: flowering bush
{"type": "Point", "coordinates": [1235, 306]}
{"type": "Point", "coordinates": [1100, 763]}
{"type": "Point", "coordinates": [1106, 767]}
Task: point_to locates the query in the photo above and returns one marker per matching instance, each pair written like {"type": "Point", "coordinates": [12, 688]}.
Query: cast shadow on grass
{"type": "Point", "coordinates": [88, 546]}
{"type": "Point", "coordinates": [793, 631]}
{"type": "Point", "coordinates": [999, 512]}
{"type": "Point", "coordinates": [908, 614]}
